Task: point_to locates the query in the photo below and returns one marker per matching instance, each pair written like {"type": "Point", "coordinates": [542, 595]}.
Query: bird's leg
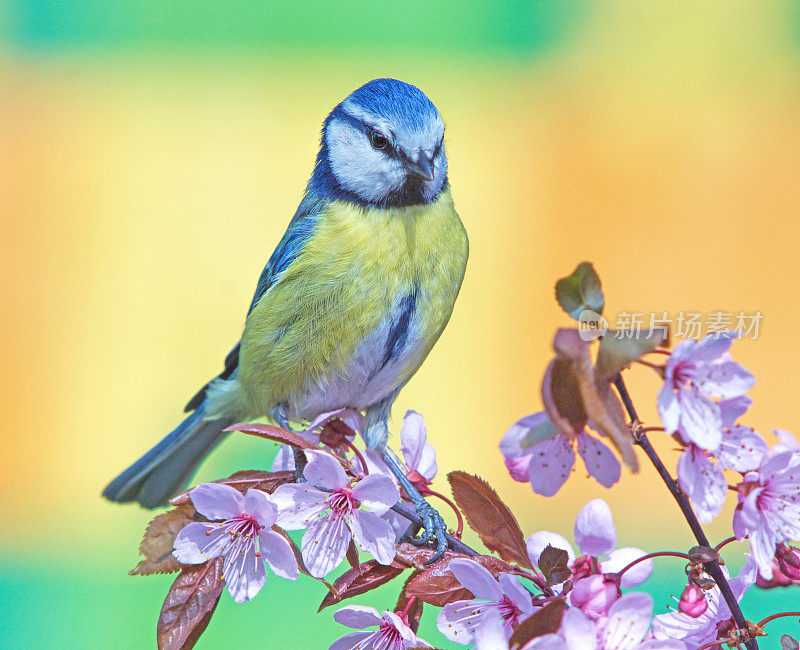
{"type": "Point", "coordinates": [279, 415]}
{"type": "Point", "coordinates": [432, 522]}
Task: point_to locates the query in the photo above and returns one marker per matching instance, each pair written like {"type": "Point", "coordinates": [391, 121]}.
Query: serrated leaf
{"type": "Point", "coordinates": [159, 539]}
{"type": "Point", "coordinates": [580, 291]}
{"type": "Point", "coordinates": [273, 433]}
{"type": "Point", "coordinates": [543, 621]}
{"type": "Point", "coordinates": [360, 580]}
{"type": "Point", "coordinates": [189, 605]}
{"type": "Point", "coordinates": [553, 563]}
{"type": "Point", "coordinates": [243, 481]}
{"type": "Point", "coordinates": [618, 350]}
{"type": "Point", "coordinates": [436, 585]}
{"type": "Point", "coordinates": [488, 516]}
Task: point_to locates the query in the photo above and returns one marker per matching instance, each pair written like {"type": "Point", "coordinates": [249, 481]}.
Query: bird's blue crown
{"type": "Point", "coordinates": [382, 146]}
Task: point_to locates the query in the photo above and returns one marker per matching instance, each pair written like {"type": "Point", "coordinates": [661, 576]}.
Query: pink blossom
{"type": "Point", "coordinates": [332, 513]}
{"type": "Point", "coordinates": [594, 595]}
{"type": "Point", "coordinates": [698, 630]}
{"type": "Point", "coordinates": [242, 536]}
{"type": "Point", "coordinates": [393, 632]}
{"type": "Point", "coordinates": [768, 511]}
{"type": "Point", "coordinates": [741, 449]}
{"type": "Point", "coordinates": [692, 601]}
{"type": "Point", "coordinates": [503, 595]}
{"type": "Point", "coordinates": [596, 537]}
{"type": "Point", "coordinates": [534, 445]}
{"type": "Point", "coordinates": [696, 372]}
{"type": "Point", "coordinates": [284, 460]}
{"type": "Point", "coordinates": [624, 628]}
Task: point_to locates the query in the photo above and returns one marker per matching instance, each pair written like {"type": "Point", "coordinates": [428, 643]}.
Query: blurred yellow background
{"type": "Point", "coordinates": [151, 161]}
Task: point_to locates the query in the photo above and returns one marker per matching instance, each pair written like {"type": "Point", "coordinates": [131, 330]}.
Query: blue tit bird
{"type": "Point", "coordinates": [351, 301]}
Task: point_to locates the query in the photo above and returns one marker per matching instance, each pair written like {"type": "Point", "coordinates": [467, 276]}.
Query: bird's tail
{"type": "Point", "coordinates": [167, 467]}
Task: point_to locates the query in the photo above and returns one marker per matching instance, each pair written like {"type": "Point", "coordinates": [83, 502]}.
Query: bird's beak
{"type": "Point", "coordinates": [422, 167]}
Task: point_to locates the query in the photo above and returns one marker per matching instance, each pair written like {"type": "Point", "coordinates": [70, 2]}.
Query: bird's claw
{"type": "Point", "coordinates": [434, 529]}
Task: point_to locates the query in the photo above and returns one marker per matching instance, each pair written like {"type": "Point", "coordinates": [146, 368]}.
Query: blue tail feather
{"type": "Point", "coordinates": [167, 467]}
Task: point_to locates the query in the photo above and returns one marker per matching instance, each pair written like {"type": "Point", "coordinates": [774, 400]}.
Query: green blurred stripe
{"type": "Point", "coordinates": [474, 26]}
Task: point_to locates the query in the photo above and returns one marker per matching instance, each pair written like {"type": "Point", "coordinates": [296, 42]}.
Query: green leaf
{"type": "Point", "coordinates": [618, 349]}
{"type": "Point", "coordinates": [580, 291]}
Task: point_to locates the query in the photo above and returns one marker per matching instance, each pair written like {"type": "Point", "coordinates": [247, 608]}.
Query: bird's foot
{"type": "Point", "coordinates": [434, 530]}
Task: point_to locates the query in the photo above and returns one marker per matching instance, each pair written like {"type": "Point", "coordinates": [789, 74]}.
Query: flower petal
{"type": "Point", "coordinates": [668, 408]}
{"type": "Point", "coordinates": [703, 482]}
{"type": "Point", "coordinates": [518, 467]}
{"type": "Point", "coordinates": [599, 460]}
{"type": "Point", "coordinates": [700, 419]}
{"type": "Point", "coordinates": [579, 630]}
{"type": "Point", "coordinates": [277, 552]}
{"type": "Point", "coordinates": [787, 439]}
{"type": "Point", "coordinates": [732, 409]}
{"type": "Point", "coordinates": [742, 449]}
{"type": "Point", "coordinates": [350, 417]}
{"type": "Point", "coordinates": [324, 545]}
{"type": "Point", "coordinates": [413, 436]}
{"type": "Point", "coordinates": [549, 642]}
{"type": "Point", "coordinates": [457, 621]}
{"type": "Point", "coordinates": [713, 346]}
{"type": "Point", "coordinates": [727, 379]}
{"type": "Point", "coordinates": [373, 535]}
{"type": "Point", "coordinates": [476, 578]}
{"type": "Point", "coordinates": [259, 505]}
{"type": "Point", "coordinates": [284, 460]}
{"type": "Point", "coordinates": [298, 505]}
{"type": "Point", "coordinates": [377, 493]}
{"type": "Point", "coordinates": [244, 573]}
{"type": "Point", "coordinates": [491, 633]}
{"type": "Point", "coordinates": [517, 594]}
{"type": "Point", "coordinates": [525, 433]}
{"type": "Point", "coordinates": [619, 558]}
{"type": "Point", "coordinates": [217, 501]}
{"type": "Point", "coordinates": [551, 464]}
{"type": "Point", "coordinates": [357, 616]}
{"type": "Point", "coordinates": [411, 640]}
{"type": "Point", "coordinates": [323, 470]}
{"type": "Point", "coordinates": [352, 641]}
{"type": "Point", "coordinates": [628, 620]}
{"type": "Point", "coordinates": [595, 533]}
{"type": "Point", "coordinates": [196, 542]}
{"type": "Point", "coordinates": [540, 540]}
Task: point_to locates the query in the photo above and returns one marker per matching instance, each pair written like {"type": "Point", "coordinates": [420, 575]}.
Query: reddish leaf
{"type": "Point", "coordinates": [243, 481]}
{"type": "Point", "coordinates": [189, 605]}
{"type": "Point", "coordinates": [360, 580]}
{"type": "Point", "coordinates": [158, 541]}
{"type": "Point", "coordinates": [488, 516]}
{"type": "Point", "coordinates": [352, 554]}
{"type": "Point", "coordinates": [437, 586]}
{"type": "Point", "coordinates": [415, 611]}
{"type": "Point", "coordinates": [553, 564]}
{"type": "Point", "coordinates": [572, 369]}
{"type": "Point", "coordinates": [543, 621]}
{"type": "Point", "coordinates": [273, 433]}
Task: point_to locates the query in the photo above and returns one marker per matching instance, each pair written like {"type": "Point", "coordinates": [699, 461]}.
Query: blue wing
{"type": "Point", "coordinates": [298, 232]}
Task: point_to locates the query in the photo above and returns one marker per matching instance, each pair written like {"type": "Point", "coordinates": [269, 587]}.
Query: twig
{"type": "Point", "coordinates": [712, 568]}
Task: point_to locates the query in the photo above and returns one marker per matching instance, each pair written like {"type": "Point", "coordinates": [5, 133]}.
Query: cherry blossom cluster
{"type": "Point", "coordinates": [343, 519]}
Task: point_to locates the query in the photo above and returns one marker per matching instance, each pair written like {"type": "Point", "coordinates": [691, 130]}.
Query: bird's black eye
{"type": "Point", "coordinates": [378, 141]}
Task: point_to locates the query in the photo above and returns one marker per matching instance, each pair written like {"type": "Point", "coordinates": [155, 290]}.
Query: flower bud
{"type": "Point", "coordinates": [702, 555]}
{"type": "Point", "coordinates": [595, 595]}
{"type": "Point", "coordinates": [778, 578]}
{"type": "Point", "coordinates": [693, 601]}
{"type": "Point", "coordinates": [585, 566]}
{"type": "Point", "coordinates": [789, 561]}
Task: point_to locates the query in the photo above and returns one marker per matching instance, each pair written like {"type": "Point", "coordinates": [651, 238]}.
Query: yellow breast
{"type": "Point", "coordinates": [349, 276]}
